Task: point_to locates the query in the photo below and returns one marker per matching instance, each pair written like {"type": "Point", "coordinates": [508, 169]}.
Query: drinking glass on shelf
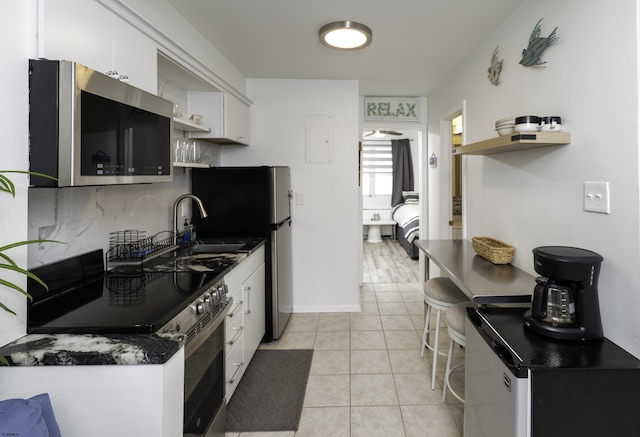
{"type": "Point", "coordinates": [194, 151]}
{"type": "Point", "coordinates": [178, 151]}
{"type": "Point", "coordinates": [184, 151]}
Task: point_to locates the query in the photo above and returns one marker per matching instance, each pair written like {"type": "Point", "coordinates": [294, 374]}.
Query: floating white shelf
{"type": "Point", "coordinates": [517, 141]}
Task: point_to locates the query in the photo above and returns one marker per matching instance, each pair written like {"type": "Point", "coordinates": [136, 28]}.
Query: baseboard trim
{"type": "Point", "coordinates": [327, 309]}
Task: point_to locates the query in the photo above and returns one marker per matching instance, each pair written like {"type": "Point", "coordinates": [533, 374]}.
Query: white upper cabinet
{"type": "Point", "coordinates": [100, 40]}
{"type": "Point", "coordinates": [224, 114]}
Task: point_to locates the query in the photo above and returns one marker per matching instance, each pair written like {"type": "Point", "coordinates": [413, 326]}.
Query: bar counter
{"type": "Point", "coordinates": [482, 281]}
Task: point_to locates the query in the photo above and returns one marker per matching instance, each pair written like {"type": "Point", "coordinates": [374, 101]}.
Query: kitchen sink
{"type": "Point", "coordinates": [218, 248]}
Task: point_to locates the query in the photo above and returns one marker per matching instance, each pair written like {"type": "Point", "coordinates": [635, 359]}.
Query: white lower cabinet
{"type": "Point", "coordinates": [234, 368]}
{"type": "Point", "coordinates": [105, 400]}
{"type": "Point", "coordinates": [245, 323]}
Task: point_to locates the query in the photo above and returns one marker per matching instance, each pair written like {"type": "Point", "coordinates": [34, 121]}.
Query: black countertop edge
{"type": "Point", "coordinates": [91, 349]}
{"type": "Point", "coordinates": [105, 349]}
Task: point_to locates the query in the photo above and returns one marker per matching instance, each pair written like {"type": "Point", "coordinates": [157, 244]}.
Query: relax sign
{"type": "Point", "coordinates": [392, 108]}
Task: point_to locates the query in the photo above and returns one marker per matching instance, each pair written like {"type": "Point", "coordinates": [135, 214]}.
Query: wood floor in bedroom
{"type": "Point", "coordinates": [388, 262]}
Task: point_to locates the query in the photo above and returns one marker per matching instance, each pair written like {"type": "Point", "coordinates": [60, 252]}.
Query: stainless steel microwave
{"type": "Point", "coordinates": [86, 128]}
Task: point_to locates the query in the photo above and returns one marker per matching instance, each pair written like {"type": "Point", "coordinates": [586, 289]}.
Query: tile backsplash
{"type": "Point", "coordinates": [83, 217]}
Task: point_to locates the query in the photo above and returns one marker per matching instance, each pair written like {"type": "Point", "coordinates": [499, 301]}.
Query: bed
{"type": "Point", "coordinates": [407, 216]}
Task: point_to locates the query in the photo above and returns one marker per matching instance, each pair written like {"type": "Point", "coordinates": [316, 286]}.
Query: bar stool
{"type": "Point", "coordinates": [441, 294]}
{"type": "Point", "coordinates": [456, 316]}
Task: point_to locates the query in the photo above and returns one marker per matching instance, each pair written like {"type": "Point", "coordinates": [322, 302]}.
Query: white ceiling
{"type": "Point", "coordinates": [416, 43]}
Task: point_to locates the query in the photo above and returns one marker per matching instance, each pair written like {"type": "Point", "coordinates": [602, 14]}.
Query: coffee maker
{"type": "Point", "coordinates": [565, 302]}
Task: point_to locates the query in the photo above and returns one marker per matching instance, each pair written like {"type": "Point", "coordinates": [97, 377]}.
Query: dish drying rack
{"type": "Point", "coordinates": [131, 248]}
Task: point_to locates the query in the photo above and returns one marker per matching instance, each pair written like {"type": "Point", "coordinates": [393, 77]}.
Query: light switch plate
{"type": "Point", "coordinates": [596, 197]}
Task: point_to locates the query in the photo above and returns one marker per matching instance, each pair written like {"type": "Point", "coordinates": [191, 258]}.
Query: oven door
{"type": "Point", "coordinates": [204, 383]}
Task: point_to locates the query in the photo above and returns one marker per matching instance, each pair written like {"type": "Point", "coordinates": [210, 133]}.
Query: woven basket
{"type": "Point", "coordinates": [496, 251]}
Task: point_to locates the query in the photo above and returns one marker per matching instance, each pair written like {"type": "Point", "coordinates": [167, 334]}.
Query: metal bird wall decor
{"type": "Point", "coordinates": [537, 45]}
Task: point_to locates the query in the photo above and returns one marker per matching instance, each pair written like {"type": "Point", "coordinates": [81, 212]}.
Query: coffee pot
{"type": "Point", "coordinates": [565, 301]}
{"type": "Point", "coordinates": [554, 302]}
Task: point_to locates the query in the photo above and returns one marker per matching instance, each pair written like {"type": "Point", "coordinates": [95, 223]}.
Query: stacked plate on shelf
{"type": "Point", "coordinates": [506, 126]}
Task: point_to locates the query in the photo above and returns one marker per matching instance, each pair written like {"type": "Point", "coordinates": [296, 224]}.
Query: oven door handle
{"type": "Point", "coordinates": [239, 366]}
{"type": "Point", "coordinates": [193, 345]}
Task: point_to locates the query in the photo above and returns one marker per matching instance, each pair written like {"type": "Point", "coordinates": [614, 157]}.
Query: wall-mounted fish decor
{"type": "Point", "coordinates": [537, 45]}
{"type": "Point", "coordinates": [493, 72]}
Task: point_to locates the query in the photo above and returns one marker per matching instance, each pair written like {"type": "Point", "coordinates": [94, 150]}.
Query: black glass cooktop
{"type": "Point", "coordinates": [84, 299]}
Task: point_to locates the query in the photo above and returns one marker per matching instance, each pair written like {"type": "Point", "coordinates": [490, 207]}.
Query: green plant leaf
{"type": "Point", "coordinates": [7, 309]}
{"type": "Point", "coordinates": [7, 259]}
{"type": "Point", "coordinates": [3, 360]}
{"type": "Point", "coordinates": [32, 173]}
{"type": "Point", "coordinates": [7, 186]}
{"type": "Point", "coordinates": [24, 272]}
{"type": "Point", "coordinates": [22, 243]}
{"type": "Point", "coordinates": [15, 287]}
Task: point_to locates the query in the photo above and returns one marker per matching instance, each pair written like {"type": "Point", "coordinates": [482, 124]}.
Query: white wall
{"type": "Point", "coordinates": [326, 226]}
{"type": "Point", "coordinates": [14, 116]}
{"type": "Point", "coordinates": [534, 197]}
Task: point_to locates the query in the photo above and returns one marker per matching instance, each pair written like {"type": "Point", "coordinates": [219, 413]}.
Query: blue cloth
{"type": "Point", "coordinates": [31, 417]}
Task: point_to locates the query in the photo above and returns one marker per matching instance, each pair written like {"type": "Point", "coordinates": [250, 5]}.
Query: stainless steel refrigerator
{"type": "Point", "coordinates": [247, 202]}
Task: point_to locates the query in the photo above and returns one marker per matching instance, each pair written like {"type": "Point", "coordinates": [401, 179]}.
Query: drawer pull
{"type": "Point", "coordinates": [235, 337]}
{"type": "Point", "coordinates": [232, 311]}
{"type": "Point", "coordinates": [235, 374]}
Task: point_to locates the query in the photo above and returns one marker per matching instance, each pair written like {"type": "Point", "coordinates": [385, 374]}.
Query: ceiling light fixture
{"type": "Point", "coordinates": [345, 35]}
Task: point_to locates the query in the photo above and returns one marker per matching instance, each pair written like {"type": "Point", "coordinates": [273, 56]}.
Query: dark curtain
{"type": "Point", "coordinates": [402, 169]}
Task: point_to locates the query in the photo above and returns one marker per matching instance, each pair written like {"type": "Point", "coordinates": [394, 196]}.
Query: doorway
{"type": "Point", "coordinates": [375, 184]}
{"type": "Point", "coordinates": [456, 179]}
{"type": "Point", "coordinates": [451, 208]}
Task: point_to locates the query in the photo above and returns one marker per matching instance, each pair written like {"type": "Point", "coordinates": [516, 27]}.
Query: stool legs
{"type": "Point", "coordinates": [436, 339]}
{"type": "Point", "coordinates": [447, 373]}
{"type": "Point", "coordinates": [435, 350]}
{"type": "Point", "coordinates": [425, 333]}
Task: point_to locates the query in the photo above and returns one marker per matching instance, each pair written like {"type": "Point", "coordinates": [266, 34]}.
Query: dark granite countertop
{"type": "Point", "coordinates": [91, 349]}
{"type": "Point", "coordinates": [118, 349]}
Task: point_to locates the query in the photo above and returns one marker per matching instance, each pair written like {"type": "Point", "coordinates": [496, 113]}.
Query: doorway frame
{"type": "Point", "coordinates": [421, 182]}
{"type": "Point", "coordinates": [446, 138]}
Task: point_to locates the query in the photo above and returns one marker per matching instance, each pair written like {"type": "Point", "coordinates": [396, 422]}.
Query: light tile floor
{"type": "Point", "coordinates": [367, 378]}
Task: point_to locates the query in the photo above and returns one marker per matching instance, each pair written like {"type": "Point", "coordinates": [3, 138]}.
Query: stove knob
{"type": "Point", "coordinates": [222, 290]}
{"type": "Point", "coordinates": [216, 296]}
{"type": "Point", "coordinates": [210, 301]}
{"type": "Point", "coordinates": [201, 307]}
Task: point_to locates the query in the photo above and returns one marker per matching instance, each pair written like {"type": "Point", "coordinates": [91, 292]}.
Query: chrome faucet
{"type": "Point", "coordinates": [203, 213]}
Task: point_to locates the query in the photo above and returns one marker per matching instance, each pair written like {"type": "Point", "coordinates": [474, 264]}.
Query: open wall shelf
{"type": "Point", "coordinates": [188, 126]}
{"type": "Point", "coordinates": [518, 141]}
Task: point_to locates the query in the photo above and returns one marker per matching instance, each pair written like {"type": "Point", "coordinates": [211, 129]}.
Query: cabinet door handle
{"type": "Point", "coordinates": [231, 313]}
{"type": "Point", "coordinates": [235, 337]}
{"type": "Point", "coordinates": [248, 290]}
{"type": "Point", "coordinates": [235, 374]}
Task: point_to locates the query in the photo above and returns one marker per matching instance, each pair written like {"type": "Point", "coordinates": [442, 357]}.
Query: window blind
{"type": "Point", "coordinates": [376, 157]}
